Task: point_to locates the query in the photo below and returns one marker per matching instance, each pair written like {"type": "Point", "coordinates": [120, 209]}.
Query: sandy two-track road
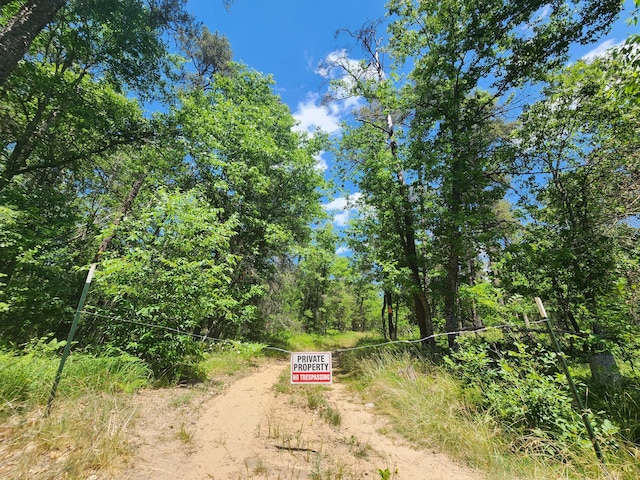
{"type": "Point", "coordinates": [249, 431]}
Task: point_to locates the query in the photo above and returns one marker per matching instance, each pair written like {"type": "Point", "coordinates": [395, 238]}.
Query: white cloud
{"type": "Point", "coordinates": [342, 208]}
{"type": "Point", "coordinates": [601, 49]}
{"type": "Point", "coordinates": [321, 163]}
{"type": "Point", "coordinates": [343, 250]}
{"type": "Point", "coordinates": [336, 204]}
{"type": "Point", "coordinates": [311, 115]}
{"type": "Point", "coordinates": [342, 203]}
{"type": "Point", "coordinates": [341, 219]}
{"type": "Point", "coordinates": [337, 64]}
{"type": "Point", "coordinates": [544, 13]}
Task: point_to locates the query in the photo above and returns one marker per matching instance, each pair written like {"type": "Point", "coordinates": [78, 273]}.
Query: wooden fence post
{"type": "Point", "coordinates": [574, 390]}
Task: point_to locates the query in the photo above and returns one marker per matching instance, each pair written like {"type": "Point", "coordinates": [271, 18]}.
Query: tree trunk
{"type": "Point", "coordinates": [475, 318]}
{"type": "Point", "coordinates": [395, 323]}
{"type": "Point", "coordinates": [604, 370]}
{"type": "Point", "coordinates": [126, 206]}
{"type": "Point", "coordinates": [22, 29]}
{"type": "Point", "coordinates": [453, 241]}
{"type": "Point", "coordinates": [450, 296]}
{"type": "Point", "coordinates": [406, 230]}
{"type": "Point", "coordinates": [389, 303]}
{"type": "Point", "coordinates": [384, 319]}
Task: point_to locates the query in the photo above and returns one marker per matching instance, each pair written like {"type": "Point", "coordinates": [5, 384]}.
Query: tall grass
{"type": "Point", "coordinates": [428, 406]}
{"type": "Point", "coordinates": [85, 431]}
{"type": "Point", "coordinates": [26, 380]}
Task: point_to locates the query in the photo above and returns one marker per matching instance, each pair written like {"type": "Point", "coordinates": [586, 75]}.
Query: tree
{"type": "Point", "coordinates": [131, 24]}
{"type": "Point", "coordinates": [67, 120]}
{"type": "Point", "coordinates": [170, 267]}
{"type": "Point", "coordinates": [371, 151]}
{"type": "Point", "coordinates": [314, 279]}
{"type": "Point", "coordinates": [467, 57]}
{"type": "Point", "coordinates": [210, 54]}
{"type": "Point", "coordinates": [21, 29]}
{"type": "Point", "coordinates": [58, 120]}
{"type": "Point", "coordinates": [250, 164]}
{"type": "Point", "coordinates": [582, 144]}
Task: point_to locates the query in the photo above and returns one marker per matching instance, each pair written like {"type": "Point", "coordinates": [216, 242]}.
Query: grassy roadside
{"type": "Point", "coordinates": [431, 408]}
{"type": "Point", "coordinates": [86, 434]}
{"type": "Point", "coordinates": [428, 406]}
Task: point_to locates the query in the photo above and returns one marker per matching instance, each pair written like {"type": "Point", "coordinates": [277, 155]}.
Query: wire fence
{"type": "Point", "coordinates": [206, 338]}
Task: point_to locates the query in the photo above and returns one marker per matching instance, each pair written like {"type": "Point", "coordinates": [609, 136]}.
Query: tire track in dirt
{"type": "Point", "coordinates": [252, 432]}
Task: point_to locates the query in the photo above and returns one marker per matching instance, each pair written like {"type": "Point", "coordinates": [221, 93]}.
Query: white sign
{"type": "Point", "coordinates": [311, 367]}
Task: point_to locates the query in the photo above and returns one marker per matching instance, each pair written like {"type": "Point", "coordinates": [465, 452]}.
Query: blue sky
{"type": "Point", "coordinates": [289, 38]}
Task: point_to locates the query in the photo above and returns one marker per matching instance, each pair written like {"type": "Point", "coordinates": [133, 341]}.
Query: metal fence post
{"type": "Point", "coordinates": [72, 332]}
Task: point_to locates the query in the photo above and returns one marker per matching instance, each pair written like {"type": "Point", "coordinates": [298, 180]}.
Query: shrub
{"type": "Point", "coordinates": [521, 386]}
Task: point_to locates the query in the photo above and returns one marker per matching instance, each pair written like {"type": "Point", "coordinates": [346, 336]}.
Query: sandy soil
{"type": "Point", "coordinates": [249, 431]}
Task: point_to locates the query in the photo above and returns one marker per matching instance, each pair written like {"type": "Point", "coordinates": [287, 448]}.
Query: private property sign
{"type": "Point", "coordinates": [310, 367]}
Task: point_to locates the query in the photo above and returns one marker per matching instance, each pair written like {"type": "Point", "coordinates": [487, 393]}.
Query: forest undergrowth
{"type": "Point", "coordinates": [496, 405]}
{"type": "Point", "coordinates": [506, 411]}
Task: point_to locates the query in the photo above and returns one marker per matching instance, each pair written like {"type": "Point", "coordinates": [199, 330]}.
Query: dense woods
{"type": "Point", "coordinates": [489, 169]}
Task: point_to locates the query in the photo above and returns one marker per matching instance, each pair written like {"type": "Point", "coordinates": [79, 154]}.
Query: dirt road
{"type": "Point", "coordinates": [250, 431]}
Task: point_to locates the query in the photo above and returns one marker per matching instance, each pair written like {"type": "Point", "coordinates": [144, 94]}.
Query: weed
{"type": "Point", "coordinates": [433, 409]}
{"type": "Point", "coordinates": [310, 342]}
{"type": "Point", "coordinates": [230, 358]}
{"type": "Point", "coordinates": [85, 431]}
{"type": "Point", "coordinates": [387, 474]}
{"type": "Point", "coordinates": [273, 427]}
{"type": "Point", "coordinates": [182, 399]}
{"type": "Point", "coordinates": [284, 382]}
{"type": "Point", "coordinates": [184, 436]}
{"type": "Point", "coordinates": [358, 449]}
{"type": "Point", "coordinates": [314, 399]}
{"type": "Point", "coordinates": [331, 416]}
{"type": "Point", "coordinates": [260, 468]}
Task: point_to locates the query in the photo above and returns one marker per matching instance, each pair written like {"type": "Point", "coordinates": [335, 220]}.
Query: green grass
{"type": "Point", "coordinates": [86, 431]}
{"type": "Point", "coordinates": [428, 406]}
{"type": "Point", "coordinates": [26, 380]}
{"type": "Point", "coordinates": [230, 358]}
{"type": "Point", "coordinates": [306, 342]}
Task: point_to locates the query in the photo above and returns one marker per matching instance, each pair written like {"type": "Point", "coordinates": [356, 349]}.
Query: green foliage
{"type": "Point", "coordinates": [384, 474]}
{"type": "Point", "coordinates": [172, 276]}
{"type": "Point", "coordinates": [574, 248]}
{"type": "Point", "coordinates": [319, 293]}
{"type": "Point", "coordinates": [331, 341]}
{"type": "Point", "coordinates": [26, 378]}
{"type": "Point", "coordinates": [123, 41]}
{"type": "Point", "coordinates": [210, 53]}
{"type": "Point", "coordinates": [433, 405]}
{"type": "Point", "coordinates": [521, 386]}
{"type": "Point", "coordinates": [621, 405]}
{"type": "Point", "coordinates": [253, 166]}
{"type": "Point", "coordinates": [61, 124]}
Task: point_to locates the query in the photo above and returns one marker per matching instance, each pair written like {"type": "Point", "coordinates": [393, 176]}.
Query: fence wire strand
{"type": "Point", "coordinates": [339, 350]}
